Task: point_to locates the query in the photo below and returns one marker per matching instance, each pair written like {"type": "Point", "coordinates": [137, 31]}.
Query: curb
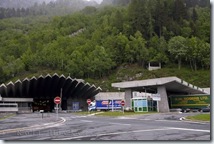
{"type": "Point", "coordinates": [193, 121]}
{"type": "Point", "coordinates": [182, 118]}
{"type": "Point", "coordinates": [94, 114]}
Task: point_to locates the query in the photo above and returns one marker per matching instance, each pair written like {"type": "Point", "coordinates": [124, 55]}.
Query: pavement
{"type": "Point", "coordinates": [72, 127]}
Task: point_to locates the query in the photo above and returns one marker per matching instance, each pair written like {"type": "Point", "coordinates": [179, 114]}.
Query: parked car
{"type": "Point", "coordinates": [206, 109]}
{"type": "Point", "coordinates": [185, 110]}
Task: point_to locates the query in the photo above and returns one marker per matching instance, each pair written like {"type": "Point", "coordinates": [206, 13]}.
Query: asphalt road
{"type": "Point", "coordinates": [73, 127]}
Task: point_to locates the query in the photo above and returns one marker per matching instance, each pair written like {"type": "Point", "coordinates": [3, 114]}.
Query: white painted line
{"type": "Point", "coordinates": [203, 123]}
{"type": "Point", "coordinates": [81, 116]}
{"type": "Point", "coordinates": [168, 121]}
{"type": "Point", "coordinates": [86, 121]}
{"type": "Point", "coordinates": [115, 133]}
{"type": "Point", "coordinates": [93, 114]}
{"type": "Point", "coordinates": [185, 129]}
{"type": "Point", "coordinates": [135, 131]}
{"type": "Point", "coordinates": [125, 118]}
{"type": "Point", "coordinates": [145, 119]}
{"type": "Point", "coordinates": [34, 127]}
{"type": "Point", "coordinates": [120, 124]}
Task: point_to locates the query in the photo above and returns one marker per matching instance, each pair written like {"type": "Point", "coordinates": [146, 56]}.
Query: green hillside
{"type": "Point", "coordinates": [106, 44]}
{"type": "Point", "coordinates": [200, 78]}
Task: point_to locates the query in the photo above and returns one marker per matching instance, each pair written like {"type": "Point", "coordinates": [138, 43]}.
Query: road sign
{"type": "Point", "coordinates": [122, 102]}
{"type": "Point", "coordinates": [88, 101]}
{"type": "Point", "coordinates": [75, 106]}
{"type": "Point", "coordinates": [57, 100]}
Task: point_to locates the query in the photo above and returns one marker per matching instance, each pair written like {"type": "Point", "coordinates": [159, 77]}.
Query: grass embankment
{"type": "Point", "coordinates": [5, 116]}
{"type": "Point", "coordinates": [200, 78]}
{"type": "Point", "coordinates": [199, 117]}
{"type": "Point", "coordinates": [115, 113]}
{"type": "Point", "coordinates": [118, 113]}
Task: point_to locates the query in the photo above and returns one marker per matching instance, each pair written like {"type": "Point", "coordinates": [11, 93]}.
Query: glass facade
{"type": "Point", "coordinates": [144, 105]}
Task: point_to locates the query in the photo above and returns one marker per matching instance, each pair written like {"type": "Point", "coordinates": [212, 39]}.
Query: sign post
{"type": "Point", "coordinates": [112, 106]}
{"type": "Point", "coordinates": [57, 101]}
{"type": "Point", "coordinates": [89, 102]}
{"type": "Point", "coordinates": [122, 104]}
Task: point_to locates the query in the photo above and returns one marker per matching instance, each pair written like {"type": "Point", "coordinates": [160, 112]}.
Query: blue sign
{"type": "Point", "coordinates": [75, 106]}
{"type": "Point", "coordinates": [107, 104]}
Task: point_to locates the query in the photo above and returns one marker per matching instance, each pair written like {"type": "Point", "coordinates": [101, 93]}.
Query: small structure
{"type": "Point", "coordinates": [154, 66]}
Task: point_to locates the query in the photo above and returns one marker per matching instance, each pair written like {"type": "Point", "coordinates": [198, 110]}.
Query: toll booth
{"type": "Point", "coordinates": [144, 105]}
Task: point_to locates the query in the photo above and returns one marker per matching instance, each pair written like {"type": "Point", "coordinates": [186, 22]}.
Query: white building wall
{"type": "Point", "coordinates": [120, 95]}
{"type": "Point", "coordinates": [110, 95]}
{"type": "Point", "coordinates": [207, 90]}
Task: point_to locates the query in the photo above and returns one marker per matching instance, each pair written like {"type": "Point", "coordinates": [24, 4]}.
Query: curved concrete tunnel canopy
{"type": "Point", "coordinates": [163, 86]}
{"type": "Point", "coordinates": [172, 84]}
{"type": "Point", "coordinates": [48, 87]}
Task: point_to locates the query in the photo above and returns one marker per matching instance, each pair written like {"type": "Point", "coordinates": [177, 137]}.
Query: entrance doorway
{"type": "Point", "coordinates": [144, 105]}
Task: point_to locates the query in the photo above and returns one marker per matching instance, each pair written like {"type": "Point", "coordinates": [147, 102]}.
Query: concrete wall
{"type": "Point", "coordinates": [128, 97]}
{"type": "Point", "coordinates": [207, 90]}
{"type": "Point", "coordinates": [163, 103]}
{"type": "Point", "coordinates": [153, 68]}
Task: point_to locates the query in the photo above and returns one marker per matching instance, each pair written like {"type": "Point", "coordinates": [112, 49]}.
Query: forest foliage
{"type": "Point", "coordinates": [94, 41]}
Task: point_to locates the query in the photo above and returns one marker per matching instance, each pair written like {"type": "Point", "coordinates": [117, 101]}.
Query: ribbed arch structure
{"type": "Point", "coordinates": [48, 87]}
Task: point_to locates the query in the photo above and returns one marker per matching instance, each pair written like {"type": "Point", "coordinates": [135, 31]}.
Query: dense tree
{"type": "Point", "coordinates": [178, 48]}
{"type": "Point", "coordinates": [158, 50]}
{"type": "Point", "coordinates": [95, 41]}
{"type": "Point", "coordinates": [139, 17]}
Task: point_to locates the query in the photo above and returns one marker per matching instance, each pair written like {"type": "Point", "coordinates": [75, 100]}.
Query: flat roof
{"type": "Point", "coordinates": [173, 84]}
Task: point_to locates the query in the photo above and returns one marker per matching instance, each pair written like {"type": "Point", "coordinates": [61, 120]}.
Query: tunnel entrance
{"type": "Point", "coordinates": [46, 104]}
{"type": "Point", "coordinates": [44, 89]}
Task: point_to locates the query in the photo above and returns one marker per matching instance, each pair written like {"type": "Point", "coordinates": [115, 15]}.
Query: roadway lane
{"type": "Point", "coordinates": [155, 127]}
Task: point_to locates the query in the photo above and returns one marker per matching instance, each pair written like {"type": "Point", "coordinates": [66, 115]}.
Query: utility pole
{"type": "Point", "coordinates": [61, 99]}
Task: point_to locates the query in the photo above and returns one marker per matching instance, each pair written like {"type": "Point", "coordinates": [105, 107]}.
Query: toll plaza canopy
{"type": "Point", "coordinates": [163, 86]}
{"type": "Point", "coordinates": [172, 84]}
{"type": "Point", "coordinates": [48, 87]}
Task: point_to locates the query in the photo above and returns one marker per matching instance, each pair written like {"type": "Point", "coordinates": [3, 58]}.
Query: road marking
{"type": "Point", "coordinates": [93, 114]}
{"type": "Point", "coordinates": [34, 127]}
{"type": "Point", "coordinates": [135, 131]}
{"type": "Point", "coordinates": [81, 116]}
{"type": "Point", "coordinates": [168, 121]}
{"type": "Point", "coordinates": [86, 121]}
{"type": "Point", "coordinates": [120, 124]}
{"type": "Point", "coordinates": [125, 118]}
{"type": "Point", "coordinates": [186, 129]}
{"type": "Point", "coordinates": [203, 123]}
{"type": "Point", "coordinates": [115, 133]}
